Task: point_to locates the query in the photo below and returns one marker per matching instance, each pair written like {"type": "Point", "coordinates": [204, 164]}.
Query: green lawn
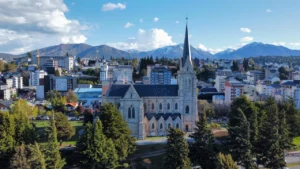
{"type": "Point", "coordinates": [296, 142]}
{"type": "Point", "coordinates": [45, 123]}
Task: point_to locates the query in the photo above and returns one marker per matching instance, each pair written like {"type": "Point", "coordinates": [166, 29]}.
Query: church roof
{"type": "Point", "coordinates": [119, 90]}
{"type": "Point", "coordinates": [186, 48]}
{"type": "Point", "coordinates": [157, 116]}
{"type": "Point", "coordinates": [156, 90]}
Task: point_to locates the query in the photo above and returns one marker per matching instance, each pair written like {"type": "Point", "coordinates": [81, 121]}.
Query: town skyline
{"type": "Point", "coordinates": [214, 26]}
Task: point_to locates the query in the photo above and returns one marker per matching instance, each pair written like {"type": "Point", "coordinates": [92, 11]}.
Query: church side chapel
{"type": "Point", "coordinates": [151, 109]}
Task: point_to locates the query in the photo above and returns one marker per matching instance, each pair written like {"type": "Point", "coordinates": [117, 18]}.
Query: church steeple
{"type": "Point", "coordinates": [186, 47]}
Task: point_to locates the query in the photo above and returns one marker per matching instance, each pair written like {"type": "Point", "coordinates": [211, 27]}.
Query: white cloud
{"type": "Point", "coordinates": [279, 43]}
{"type": "Point", "coordinates": [155, 19]}
{"type": "Point", "coordinates": [128, 25]}
{"type": "Point", "coordinates": [245, 30]}
{"type": "Point", "coordinates": [295, 44]}
{"type": "Point", "coordinates": [24, 26]}
{"type": "Point", "coordinates": [112, 6]}
{"type": "Point", "coordinates": [246, 39]}
{"type": "Point", "coordinates": [177, 22]}
{"type": "Point", "coordinates": [268, 10]}
{"type": "Point", "coordinates": [210, 50]}
{"type": "Point", "coordinates": [146, 40]}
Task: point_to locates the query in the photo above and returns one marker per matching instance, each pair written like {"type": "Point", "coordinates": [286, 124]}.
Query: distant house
{"type": "Point", "coordinates": [5, 105]}
{"type": "Point", "coordinates": [71, 106]}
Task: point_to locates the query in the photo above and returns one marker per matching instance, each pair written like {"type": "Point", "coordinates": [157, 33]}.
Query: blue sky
{"type": "Point", "coordinates": [214, 25]}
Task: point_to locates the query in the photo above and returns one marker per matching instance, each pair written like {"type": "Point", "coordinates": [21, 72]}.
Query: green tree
{"type": "Point", "coordinates": [202, 151]}
{"type": "Point", "coordinates": [246, 64]}
{"type": "Point", "coordinates": [285, 141]}
{"type": "Point", "coordinates": [269, 151]}
{"type": "Point", "coordinates": [250, 111]}
{"type": "Point", "coordinates": [71, 96]}
{"type": "Point", "coordinates": [235, 66]}
{"type": "Point", "coordinates": [19, 159]}
{"type": "Point", "coordinates": [52, 154]}
{"type": "Point", "coordinates": [239, 143]}
{"type": "Point", "coordinates": [28, 55]}
{"type": "Point", "coordinates": [11, 67]}
{"type": "Point", "coordinates": [7, 130]}
{"type": "Point", "coordinates": [28, 157]}
{"type": "Point", "coordinates": [2, 66]}
{"type": "Point", "coordinates": [24, 130]}
{"type": "Point", "coordinates": [176, 151]}
{"type": "Point", "coordinates": [36, 158]}
{"type": "Point", "coordinates": [96, 150]}
{"type": "Point", "coordinates": [116, 128]}
{"type": "Point", "coordinates": [64, 129]}
{"type": "Point", "coordinates": [226, 162]}
{"type": "Point", "coordinates": [283, 73]}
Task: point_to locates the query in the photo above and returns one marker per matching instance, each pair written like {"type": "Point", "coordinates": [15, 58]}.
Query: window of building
{"type": "Point", "coordinates": [177, 125]}
{"type": "Point", "coordinates": [152, 106]}
{"type": "Point", "coordinates": [133, 113]}
{"type": "Point", "coordinates": [129, 112]}
{"type": "Point", "coordinates": [160, 106]}
{"type": "Point", "coordinates": [161, 125]}
{"type": "Point", "coordinates": [118, 105]}
{"type": "Point", "coordinates": [145, 107]}
{"type": "Point", "coordinates": [152, 125]}
{"type": "Point", "coordinates": [176, 106]}
{"type": "Point", "coordinates": [187, 109]}
{"type": "Point", "coordinates": [168, 106]}
{"type": "Point", "coordinates": [169, 125]}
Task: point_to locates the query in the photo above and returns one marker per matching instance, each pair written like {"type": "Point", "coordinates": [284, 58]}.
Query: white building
{"type": "Point", "coordinates": [103, 72]}
{"type": "Point", "coordinates": [35, 77]}
{"type": "Point", "coordinates": [9, 83]}
{"type": "Point", "coordinates": [65, 62]}
{"type": "Point", "coordinates": [18, 82]}
{"type": "Point", "coordinates": [220, 83]}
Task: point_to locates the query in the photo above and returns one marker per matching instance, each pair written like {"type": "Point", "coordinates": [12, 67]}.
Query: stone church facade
{"type": "Point", "coordinates": [151, 109]}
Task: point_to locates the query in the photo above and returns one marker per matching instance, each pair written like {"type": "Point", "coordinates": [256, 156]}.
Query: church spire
{"type": "Point", "coordinates": [186, 47]}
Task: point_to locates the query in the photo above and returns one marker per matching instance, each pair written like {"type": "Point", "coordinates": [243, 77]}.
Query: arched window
{"type": "Point", "coordinates": [177, 125]}
{"type": "Point", "coordinates": [186, 127]}
{"type": "Point", "coordinates": [187, 109]}
{"type": "Point", "coordinates": [169, 125]}
{"type": "Point", "coordinates": [152, 125]}
{"type": "Point", "coordinates": [160, 106]}
{"type": "Point", "coordinates": [119, 105]}
{"type": "Point", "coordinates": [133, 113]}
{"type": "Point", "coordinates": [145, 107]}
{"type": "Point", "coordinates": [176, 106]}
{"type": "Point", "coordinates": [168, 106]}
{"type": "Point", "coordinates": [161, 125]}
{"type": "Point", "coordinates": [129, 112]}
{"type": "Point", "coordinates": [152, 106]}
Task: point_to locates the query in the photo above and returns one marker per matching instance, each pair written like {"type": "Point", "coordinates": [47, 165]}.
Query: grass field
{"type": "Point", "coordinates": [45, 123]}
{"type": "Point", "coordinates": [296, 143]}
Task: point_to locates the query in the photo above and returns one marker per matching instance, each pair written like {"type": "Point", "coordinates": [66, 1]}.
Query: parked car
{"type": "Point", "coordinates": [45, 118]}
{"type": "Point", "coordinates": [81, 118]}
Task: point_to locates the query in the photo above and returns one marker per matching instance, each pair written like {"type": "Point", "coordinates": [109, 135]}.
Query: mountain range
{"type": "Point", "coordinates": [85, 50]}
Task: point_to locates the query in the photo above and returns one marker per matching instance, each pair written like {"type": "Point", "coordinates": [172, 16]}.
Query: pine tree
{"type": "Point", "coordinates": [19, 159]}
{"type": "Point", "coordinates": [239, 143]}
{"type": "Point", "coordinates": [250, 111]}
{"type": "Point", "coordinates": [7, 130]}
{"type": "Point", "coordinates": [270, 153]}
{"type": "Point", "coordinates": [96, 150]}
{"type": "Point", "coordinates": [64, 129]}
{"type": "Point", "coordinates": [52, 154]}
{"type": "Point", "coordinates": [116, 128]}
{"type": "Point", "coordinates": [226, 162]}
{"type": "Point", "coordinates": [202, 151]}
{"type": "Point", "coordinates": [176, 151]}
{"type": "Point", "coordinates": [285, 142]}
{"type": "Point", "coordinates": [36, 158]}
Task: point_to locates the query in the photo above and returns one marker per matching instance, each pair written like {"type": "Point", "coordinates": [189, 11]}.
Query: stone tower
{"type": "Point", "coordinates": [187, 87]}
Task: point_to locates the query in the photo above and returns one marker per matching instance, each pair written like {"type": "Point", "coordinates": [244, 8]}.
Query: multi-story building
{"type": "Point", "coordinates": [18, 82]}
{"type": "Point", "coordinates": [103, 72]}
{"type": "Point", "coordinates": [220, 83]}
{"type": "Point", "coordinates": [9, 83]}
{"type": "Point", "coordinates": [271, 72]}
{"type": "Point", "coordinates": [37, 78]}
{"type": "Point", "coordinates": [60, 83]}
{"type": "Point", "coordinates": [160, 75]}
{"type": "Point", "coordinates": [65, 62]}
{"type": "Point", "coordinates": [5, 94]}
{"type": "Point", "coordinates": [288, 89]}
{"type": "Point", "coordinates": [233, 89]}
{"type": "Point", "coordinates": [151, 109]}
{"type": "Point", "coordinates": [254, 75]}
{"type": "Point", "coordinates": [294, 75]}
{"type": "Point", "coordinates": [116, 73]}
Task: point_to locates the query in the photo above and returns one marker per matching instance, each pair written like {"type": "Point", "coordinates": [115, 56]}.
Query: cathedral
{"type": "Point", "coordinates": [151, 109]}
